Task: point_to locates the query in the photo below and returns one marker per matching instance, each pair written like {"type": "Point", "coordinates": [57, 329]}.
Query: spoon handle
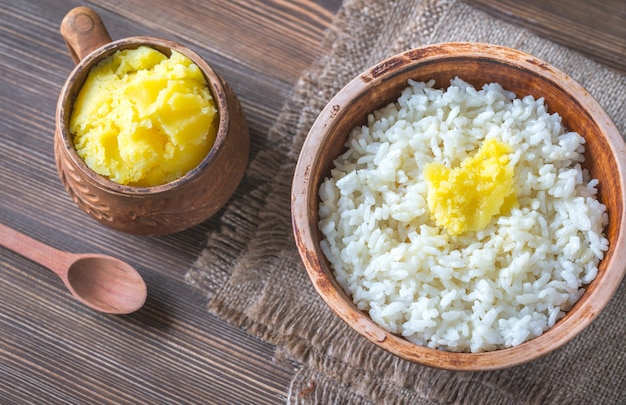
{"type": "Point", "coordinates": [40, 253]}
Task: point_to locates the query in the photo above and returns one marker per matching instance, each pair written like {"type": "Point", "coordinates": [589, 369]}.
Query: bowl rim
{"type": "Point", "coordinates": [73, 85]}
{"type": "Point", "coordinates": [317, 267]}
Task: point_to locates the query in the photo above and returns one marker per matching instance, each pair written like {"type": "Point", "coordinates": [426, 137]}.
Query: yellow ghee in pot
{"type": "Point", "coordinates": [143, 119]}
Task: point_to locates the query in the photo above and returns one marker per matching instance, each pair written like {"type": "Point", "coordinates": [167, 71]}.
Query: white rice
{"type": "Point", "coordinates": [483, 290]}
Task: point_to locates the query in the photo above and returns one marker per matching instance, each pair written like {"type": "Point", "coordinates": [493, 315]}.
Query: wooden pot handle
{"type": "Point", "coordinates": [83, 32]}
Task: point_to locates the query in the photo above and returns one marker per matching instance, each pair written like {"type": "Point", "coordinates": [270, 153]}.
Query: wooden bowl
{"type": "Point", "coordinates": [477, 64]}
{"type": "Point", "coordinates": [162, 209]}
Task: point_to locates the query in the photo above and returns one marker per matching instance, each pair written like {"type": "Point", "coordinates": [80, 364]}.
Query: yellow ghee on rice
{"type": "Point", "coordinates": [143, 119]}
{"type": "Point", "coordinates": [467, 197]}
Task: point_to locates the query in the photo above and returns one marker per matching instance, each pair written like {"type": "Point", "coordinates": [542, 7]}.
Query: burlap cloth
{"type": "Point", "coordinates": [253, 276]}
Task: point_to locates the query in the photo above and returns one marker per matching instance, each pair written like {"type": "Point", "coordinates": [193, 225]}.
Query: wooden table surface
{"type": "Point", "coordinates": [53, 349]}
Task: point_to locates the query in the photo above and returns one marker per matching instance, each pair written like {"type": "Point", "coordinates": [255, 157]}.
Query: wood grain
{"type": "Point", "coordinates": [596, 28]}
{"type": "Point", "coordinates": [54, 350]}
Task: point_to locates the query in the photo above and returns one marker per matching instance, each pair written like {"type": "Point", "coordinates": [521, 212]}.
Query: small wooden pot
{"type": "Point", "coordinates": [157, 210]}
{"type": "Point", "coordinates": [477, 64]}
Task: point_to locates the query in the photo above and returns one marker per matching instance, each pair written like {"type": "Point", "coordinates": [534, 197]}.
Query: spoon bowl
{"type": "Point", "coordinates": [106, 284]}
{"type": "Point", "coordinates": [101, 282]}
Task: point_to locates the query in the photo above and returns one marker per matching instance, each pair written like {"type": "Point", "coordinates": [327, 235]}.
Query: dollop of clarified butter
{"type": "Point", "coordinates": [144, 119]}
{"type": "Point", "coordinates": [467, 197]}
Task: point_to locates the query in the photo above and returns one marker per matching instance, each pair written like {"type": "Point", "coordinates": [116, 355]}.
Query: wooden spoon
{"type": "Point", "coordinates": [101, 282]}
